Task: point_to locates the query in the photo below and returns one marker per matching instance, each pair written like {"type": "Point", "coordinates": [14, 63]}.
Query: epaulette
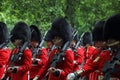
{"type": "Point", "coordinates": [69, 49]}
{"type": "Point", "coordinates": [79, 47]}
{"type": "Point", "coordinates": [42, 48]}
{"type": "Point", "coordinates": [4, 48]}
{"type": "Point", "coordinates": [26, 48]}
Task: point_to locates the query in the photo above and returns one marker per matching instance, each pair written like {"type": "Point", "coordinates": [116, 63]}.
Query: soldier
{"type": "Point", "coordinates": [61, 33]}
{"type": "Point", "coordinates": [92, 64]}
{"type": "Point", "coordinates": [87, 43]}
{"type": "Point", "coordinates": [4, 50]}
{"type": "Point", "coordinates": [20, 61]}
{"type": "Point", "coordinates": [78, 53]}
{"type": "Point", "coordinates": [40, 58]}
{"type": "Point", "coordinates": [49, 42]}
{"type": "Point", "coordinates": [100, 46]}
{"type": "Point", "coordinates": [87, 39]}
{"type": "Point", "coordinates": [112, 38]}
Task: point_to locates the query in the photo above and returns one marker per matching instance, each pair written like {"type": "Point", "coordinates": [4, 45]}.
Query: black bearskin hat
{"type": "Point", "coordinates": [21, 31]}
{"type": "Point", "coordinates": [112, 28]}
{"type": "Point", "coordinates": [48, 36]}
{"type": "Point", "coordinates": [87, 38]}
{"type": "Point", "coordinates": [61, 28]}
{"type": "Point", "coordinates": [97, 32]}
{"type": "Point", "coordinates": [4, 34]}
{"type": "Point", "coordinates": [35, 34]}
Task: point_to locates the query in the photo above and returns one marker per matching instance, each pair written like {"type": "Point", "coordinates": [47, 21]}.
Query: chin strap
{"type": "Point", "coordinates": [113, 43]}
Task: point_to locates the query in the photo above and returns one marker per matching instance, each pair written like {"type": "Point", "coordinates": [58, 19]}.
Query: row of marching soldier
{"type": "Point", "coordinates": [93, 56]}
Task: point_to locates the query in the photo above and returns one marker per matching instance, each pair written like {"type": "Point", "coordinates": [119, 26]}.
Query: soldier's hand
{"type": "Point", "coordinates": [71, 76]}
{"type": "Point", "coordinates": [35, 60]}
{"type": "Point", "coordinates": [75, 75]}
{"type": "Point", "coordinates": [36, 78]}
{"type": "Point", "coordinates": [75, 62]}
{"type": "Point", "coordinates": [10, 69]}
{"type": "Point", "coordinates": [51, 70]}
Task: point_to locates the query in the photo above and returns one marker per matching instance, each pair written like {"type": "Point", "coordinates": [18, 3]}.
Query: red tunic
{"type": "Point", "coordinates": [4, 57]}
{"type": "Point", "coordinates": [65, 66]}
{"type": "Point", "coordinates": [78, 57]}
{"type": "Point", "coordinates": [48, 51]}
{"type": "Point", "coordinates": [95, 63]}
{"type": "Point", "coordinates": [92, 53]}
{"type": "Point", "coordinates": [24, 65]}
{"type": "Point", "coordinates": [98, 65]}
{"type": "Point", "coordinates": [43, 59]}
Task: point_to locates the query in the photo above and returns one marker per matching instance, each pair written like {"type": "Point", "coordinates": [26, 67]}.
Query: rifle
{"type": "Point", "coordinates": [6, 43]}
{"type": "Point", "coordinates": [80, 42]}
{"type": "Point", "coordinates": [36, 50]}
{"type": "Point", "coordinates": [52, 48]}
{"type": "Point", "coordinates": [57, 57]}
{"type": "Point", "coordinates": [109, 66]}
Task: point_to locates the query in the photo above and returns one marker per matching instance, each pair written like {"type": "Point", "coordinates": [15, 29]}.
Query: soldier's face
{"type": "Point", "coordinates": [17, 42]}
{"type": "Point", "coordinates": [49, 44]}
{"type": "Point", "coordinates": [58, 41]}
{"type": "Point", "coordinates": [73, 43]}
{"type": "Point", "coordinates": [34, 43]}
{"type": "Point", "coordinates": [100, 44]}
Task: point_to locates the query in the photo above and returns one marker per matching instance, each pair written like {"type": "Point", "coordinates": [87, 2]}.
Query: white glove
{"type": "Point", "coordinates": [71, 76]}
{"type": "Point", "coordinates": [75, 62]}
{"type": "Point", "coordinates": [36, 78]}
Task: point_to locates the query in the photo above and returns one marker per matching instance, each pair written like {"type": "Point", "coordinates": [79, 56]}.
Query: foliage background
{"type": "Point", "coordinates": [82, 14]}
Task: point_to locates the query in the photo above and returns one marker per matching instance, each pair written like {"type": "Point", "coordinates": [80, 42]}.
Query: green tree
{"type": "Point", "coordinates": [82, 14]}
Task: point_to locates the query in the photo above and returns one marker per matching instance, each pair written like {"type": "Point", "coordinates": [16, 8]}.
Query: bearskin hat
{"type": "Point", "coordinates": [48, 36]}
{"type": "Point", "coordinates": [112, 28]}
{"type": "Point", "coordinates": [87, 38]}
{"type": "Point", "coordinates": [21, 31]}
{"type": "Point", "coordinates": [35, 33]}
{"type": "Point", "coordinates": [61, 28]}
{"type": "Point", "coordinates": [97, 32]}
{"type": "Point", "coordinates": [4, 34]}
